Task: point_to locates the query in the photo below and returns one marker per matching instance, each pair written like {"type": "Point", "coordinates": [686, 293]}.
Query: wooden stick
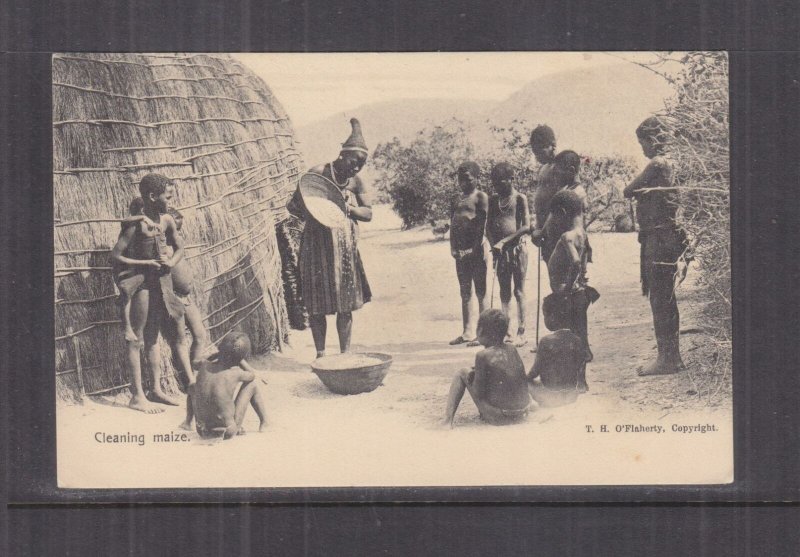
{"type": "Point", "coordinates": [77, 348]}
{"type": "Point", "coordinates": [81, 269]}
{"type": "Point", "coordinates": [87, 221]}
{"type": "Point", "coordinates": [233, 327]}
{"type": "Point", "coordinates": [199, 145]}
{"type": "Point", "coordinates": [70, 335]}
{"type": "Point", "coordinates": [89, 301]}
{"type": "Point", "coordinates": [103, 391]}
{"type": "Point", "coordinates": [538, 291]}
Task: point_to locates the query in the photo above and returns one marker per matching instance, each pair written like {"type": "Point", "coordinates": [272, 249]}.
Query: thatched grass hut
{"type": "Point", "coordinates": [215, 128]}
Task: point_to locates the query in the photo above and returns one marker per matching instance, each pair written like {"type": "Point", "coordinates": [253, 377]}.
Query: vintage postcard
{"type": "Point", "coordinates": [363, 269]}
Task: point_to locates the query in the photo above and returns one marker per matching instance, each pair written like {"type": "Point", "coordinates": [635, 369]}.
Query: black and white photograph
{"type": "Point", "coordinates": [392, 269]}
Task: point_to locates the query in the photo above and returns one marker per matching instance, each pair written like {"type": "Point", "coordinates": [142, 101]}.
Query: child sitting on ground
{"type": "Point", "coordinates": [560, 366]}
{"type": "Point", "coordinates": [212, 395]}
{"type": "Point", "coordinates": [497, 383]}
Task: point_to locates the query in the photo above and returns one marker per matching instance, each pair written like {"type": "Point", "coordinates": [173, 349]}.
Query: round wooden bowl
{"type": "Point", "coordinates": [352, 381]}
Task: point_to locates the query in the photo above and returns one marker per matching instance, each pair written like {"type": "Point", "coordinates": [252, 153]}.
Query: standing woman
{"type": "Point", "coordinates": [332, 275]}
{"type": "Point", "coordinates": [663, 245]}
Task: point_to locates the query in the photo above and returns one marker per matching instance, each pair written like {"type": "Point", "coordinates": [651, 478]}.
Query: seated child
{"type": "Point", "coordinates": [497, 383]}
{"type": "Point", "coordinates": [559, 369]}
{"type": "Point", "coordinates": [212, 396]}
{"type": "Point", "coordinates": [571, 295]}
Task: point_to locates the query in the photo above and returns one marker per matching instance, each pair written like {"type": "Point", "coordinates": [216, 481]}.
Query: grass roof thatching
{"type": "Point", "coordinates": [215, 128]}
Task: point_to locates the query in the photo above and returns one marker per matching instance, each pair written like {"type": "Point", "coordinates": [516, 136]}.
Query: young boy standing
{"type": "Point", "coordinates": [563, 175]}
{"type": "Point", "coordinates": [154, 303]}
{"type": "Point", "coordinates": [506, 222]}
{"type": "Point", "coordinates": [217, 412]}
{"type": "Point", "coordinates": [663, 243]}
{"type": "Point", "coordinates": [497, 383]}
{"type": "Point", "coordinates": [571, 295]}
{"type": "Point", "coordinates": [543, 146]}
{"type": "Point", "coordinates": [467, 225]}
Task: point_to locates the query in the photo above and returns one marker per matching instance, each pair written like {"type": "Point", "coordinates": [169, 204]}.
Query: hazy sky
{"type": "Point", "coordinates": [314, 86]}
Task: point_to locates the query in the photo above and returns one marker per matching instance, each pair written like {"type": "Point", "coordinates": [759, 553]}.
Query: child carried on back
{"type": "Point", "coordinates": [497, 383]}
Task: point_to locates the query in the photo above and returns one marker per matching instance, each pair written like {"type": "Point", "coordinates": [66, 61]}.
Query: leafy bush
{"type": "Point", "coordinates": [696, 118]}
{"type": "Point", "coordinates": [419, 178]}
{"type": "Point", "coordinates": [603, 177]}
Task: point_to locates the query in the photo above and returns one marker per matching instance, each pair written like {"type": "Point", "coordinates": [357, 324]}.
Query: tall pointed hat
{"type": "Point", "coordinates": [356, 140]}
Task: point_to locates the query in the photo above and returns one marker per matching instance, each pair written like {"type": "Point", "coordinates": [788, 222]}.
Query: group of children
{"type": "Point", "coordinates": [497, 383]}
{"type": "Point", "coordinates": [155, 284]}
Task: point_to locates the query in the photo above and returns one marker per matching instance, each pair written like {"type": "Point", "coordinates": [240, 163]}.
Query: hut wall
{"type": "Point", "coordinates": [215, 128]}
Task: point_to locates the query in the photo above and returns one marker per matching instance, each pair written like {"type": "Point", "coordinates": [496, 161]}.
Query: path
{"type": "Point", "coordinates": [390, 436]}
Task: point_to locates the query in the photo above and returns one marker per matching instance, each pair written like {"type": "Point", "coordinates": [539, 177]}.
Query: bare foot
{"type": "Point", "coordinates": [261, 426]}
{"type": "Point", "coordinates": [461, 339]}
{"type": "Point", "coordinates": [241, 431]}
{"type": "Point", "coordinates": [160, 397]}
{"type": "Point", "coordinates": [473, 343]}
{"type": "Point", "coordinates": [582, 387]}
{"type": "Point", "coordinates": [521, 340]}
{"type": "Point", "coordinates": [661, 367]}
{"type": "Point", "coordinates": [130, 336]}
{"type": "Point", "coordinates": [445, 424]}
{"type": "Point", "coordinates": [186, 425]}
{"type": "Point", "coordinates": [320, 354]}
{"type": "Point", "coordinates": [143, 405]}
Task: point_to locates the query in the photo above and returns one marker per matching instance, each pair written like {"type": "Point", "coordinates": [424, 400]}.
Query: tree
{"type": "Point", "coordinates": [603, 177]}
{"type": "Point", "coordinates": [420, 178]}
{"type": "Point", "coordinates": [696, 118]}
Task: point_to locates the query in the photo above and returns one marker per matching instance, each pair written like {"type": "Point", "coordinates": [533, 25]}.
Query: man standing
{"type": "Point", "coordinates": [663, 243]}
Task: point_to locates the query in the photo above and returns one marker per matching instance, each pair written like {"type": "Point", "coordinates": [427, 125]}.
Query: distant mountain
{"type": "Point", "coordinates": [592, 111]}
{"type": "Point", "coordinates": [381, 122]}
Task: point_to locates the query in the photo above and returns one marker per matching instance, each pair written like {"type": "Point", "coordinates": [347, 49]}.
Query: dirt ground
{"type": "Point", "coordinates": [390, 436]}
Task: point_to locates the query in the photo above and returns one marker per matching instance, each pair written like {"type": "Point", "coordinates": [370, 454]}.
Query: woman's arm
{"type": "Point", "coordinates": [643, 180]}
{"type": "Point", "coordinates": [363, 211]}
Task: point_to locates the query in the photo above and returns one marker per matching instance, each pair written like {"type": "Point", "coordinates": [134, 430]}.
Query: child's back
{"type": "Point", "coordinates": [500, 377]}
{"type": "Point", "coordinates": [213, 394]}
{"type": "Point", "coordinates": [559, 360]}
